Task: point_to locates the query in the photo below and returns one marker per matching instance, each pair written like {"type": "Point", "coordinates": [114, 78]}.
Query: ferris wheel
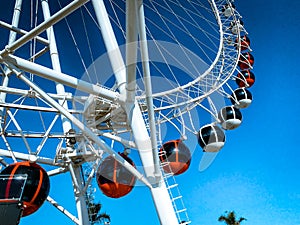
{"type": "Point", "coordinates": [88, 84]}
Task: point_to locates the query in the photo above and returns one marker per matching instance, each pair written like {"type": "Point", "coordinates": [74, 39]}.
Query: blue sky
{"type": "Point", "coordinates": [257, 172]}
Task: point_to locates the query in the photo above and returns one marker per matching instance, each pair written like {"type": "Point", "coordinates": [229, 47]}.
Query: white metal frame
{"type": "Point", "coordinates": [125, 73]}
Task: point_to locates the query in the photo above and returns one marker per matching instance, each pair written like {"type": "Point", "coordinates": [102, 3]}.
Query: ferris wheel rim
{"type": "Point", "coordinates": [182, 88]}
{"type": "Point", "coordinates": [191, 102]}
{"type": "Point", "coordinates": [222, 48]}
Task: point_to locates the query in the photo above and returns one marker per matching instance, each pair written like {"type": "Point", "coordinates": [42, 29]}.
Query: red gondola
{"type": "Point", "coordinates": [176, 156]}
{"type": "Point", "coordinates": [246, 61]}
{"type": "Point", "coordinates": [245, 79]}
{"type": "Point", "coordinates": [244, 42]}
{"type": "Point", "coordinates": [36, 188]}
{"type": "Point", "coordinates": [113, 179]}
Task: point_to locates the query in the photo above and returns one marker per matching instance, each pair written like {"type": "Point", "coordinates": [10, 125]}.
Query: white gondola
{"type": "Point", "coordinates": [211, 138]}
{"type": "Point", "coordinates": [230, 117]}
{"type": "Point", "coordinates": [241, 98]}
{"type": "Point", "coordinates": [236, 26]}
{"type": "Point", "coordinates": [228, 9]}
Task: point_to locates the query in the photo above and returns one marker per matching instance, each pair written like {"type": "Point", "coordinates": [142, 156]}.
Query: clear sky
{"type": "Point", "coordinates": [257, 172]}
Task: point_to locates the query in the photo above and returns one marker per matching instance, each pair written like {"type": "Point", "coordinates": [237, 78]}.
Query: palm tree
{"type": "Point", "coordinates": [95, 215]}
{"type": "Point", "coordinates": [230, 218]}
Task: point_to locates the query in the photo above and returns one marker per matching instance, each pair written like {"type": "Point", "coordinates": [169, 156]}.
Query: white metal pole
{"type": "Point", "coordinates": [140, 133]}
{"type": "Point", "coordinates": [148, 85]}
{"type": "Point", "coordinates": [131, 51]}
{"type": "Point", "coordinates": [22, 32]}
{"type": "Point", "coordinates": [137, 123]}
{"type": "Point", "coordinates": [80, 200]}
{"type": "Point", "coordinates": [62, 209]}
{"type": "Point", "coordinates": [82, 211]}
{"type": "Point", "coordinates": [160, 194]}
{"type": "Point", "coordinates": [59, 77]}
{"type": "Point", "coordinates": [55, 63]}
{"type": "Point", "coordinates": [15, 21]}
{"type": "Point", "coordinates": [43, 26]}
{"type": "Point", "coordinates": [23, 156]}
{"type": "Point", "coordinates": [12, 38]}
{"type": "Point", "coordinates": [111, 44]}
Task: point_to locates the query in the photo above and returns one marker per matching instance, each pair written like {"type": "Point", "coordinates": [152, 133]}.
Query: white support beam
{"type": "Point", "coordinates": [9, 150]}
{"type": "Point", "coordinates": [131, 51]}
{"type": "Point", "coordinates": [36, 108]}
{"type": "Point", "coordinates": [80, 199]}
{"type": "Point", "coordinates": [57, 171]}
{"type": "Point", "coordinates": [60, 89]}
{"type": "Point", "coordinates": [46, 136]}
{"type": "Point", "coordinates": [59, 77]}
{"type": "Point", "coordinates": [84, 129]}
{"type": "Point", "coordinates": [11, 40]}
{"type": "Point", "coordinates": [162, 201]}
{"type": "Point", "coordinates": [25, 157]}
{"type": "Point", "coordinates": [62, 209]}
{"type": "Point", "coordinates": [43, 26]}
{"type": "Point", "coordinates": [20, 131]}
{"type": "Point", "coordinates": [148, 86]}
{"type": "Point", "coordinates": [111, 44]}
{"type": "Point", "coordinates": [17, 91]}
{"type": "Point", "coordinates": [22, 32]}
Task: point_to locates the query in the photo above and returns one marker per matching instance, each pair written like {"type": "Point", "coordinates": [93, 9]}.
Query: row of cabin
{"type": "Point", "coordinates": [113, 179]}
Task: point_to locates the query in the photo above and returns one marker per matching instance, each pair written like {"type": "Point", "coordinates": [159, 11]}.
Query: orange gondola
{"type": "Point", "coordinates": [175, 157]}
{"type": "Point", "coordinates": [36, 188]}
{"type": "Point", "coordinates": [245, 79]}
{"type": "Point", "coordinates": [113, 179]}
{"type": "Point", "coordinates": [246, 61]}
{"type": "Point", "coordinates": [244, 42]}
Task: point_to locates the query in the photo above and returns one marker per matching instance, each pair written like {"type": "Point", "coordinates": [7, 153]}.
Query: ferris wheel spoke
{"type": "Point", "coordinates": [25, 157]}
{"type": "Point", "coordinates": [45, 136]}
{"type": "Point", "coordinates": [62, 78]}
{"type": "Point", "coordinates": [9, 150]}
{"type": "Point", "coordinates": [20, 130]}
{"type": "Point", "coordinates": [43, 26]}
{"type": "Point", "coordinates": [63, 210]}
{"type": "Point", "coordinates": [148, 86]}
